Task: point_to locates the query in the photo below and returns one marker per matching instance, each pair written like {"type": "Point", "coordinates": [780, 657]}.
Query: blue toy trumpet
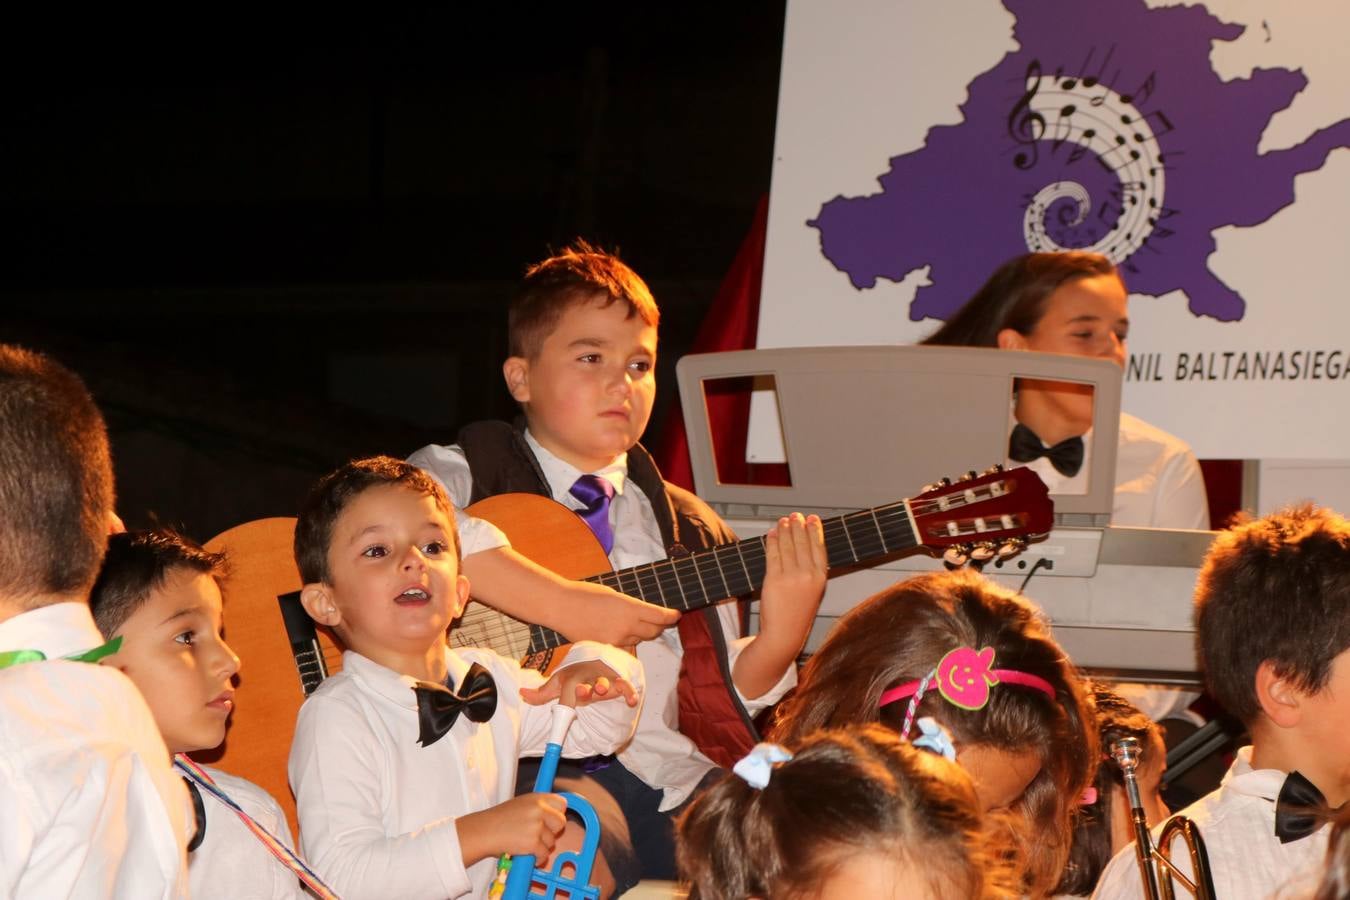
{"type": "Point", "coordinates": [523, 880]}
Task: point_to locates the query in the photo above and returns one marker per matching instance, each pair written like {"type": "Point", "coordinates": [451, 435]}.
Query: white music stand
{"type": "Point", "coordinates": [868, 425]}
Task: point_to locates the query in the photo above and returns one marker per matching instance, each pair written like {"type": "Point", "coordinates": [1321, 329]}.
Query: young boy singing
{"type": "Point", "coordinates": [404, 764]}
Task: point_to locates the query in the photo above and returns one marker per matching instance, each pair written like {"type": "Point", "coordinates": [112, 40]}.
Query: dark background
{"type": "Point", "coordinates": [275, 240]}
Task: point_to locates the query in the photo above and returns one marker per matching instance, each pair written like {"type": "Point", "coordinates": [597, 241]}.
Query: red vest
{"type": "Point", "coordinates": [710, 713]}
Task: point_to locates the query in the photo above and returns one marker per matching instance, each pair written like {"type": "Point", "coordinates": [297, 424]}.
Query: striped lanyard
{"type": "Point", "coordinates": [288, 857]}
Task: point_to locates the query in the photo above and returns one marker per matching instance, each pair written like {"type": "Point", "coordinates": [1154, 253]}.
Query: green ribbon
{"type": "Point", "coordinates": [16, 657]}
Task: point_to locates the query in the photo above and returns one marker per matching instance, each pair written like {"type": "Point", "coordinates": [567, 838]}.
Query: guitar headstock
{"type": "Point", "coordinates": [982, 516]}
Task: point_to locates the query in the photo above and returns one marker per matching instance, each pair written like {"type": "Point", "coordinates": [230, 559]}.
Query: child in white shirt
{"type": "Point", "coordinates": [1272, 608]}
{"type": "Point", "coordinates": [90, 805]}
{"type": "Point", "coordinates": [158, 592]}
{"type": "Point", "coordinates": [390, 806]}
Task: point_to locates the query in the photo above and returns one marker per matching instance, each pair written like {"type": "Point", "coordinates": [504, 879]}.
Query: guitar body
{"type": "Point", "coordinates": [260, 570]}
{"type": "Point", "coordinates": [544, 531]}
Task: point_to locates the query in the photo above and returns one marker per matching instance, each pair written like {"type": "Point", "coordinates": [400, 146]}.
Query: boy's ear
{"type": "Point", "coordinates": [461, 595]}
{"type": "Point", "coordinates": [317, 599]}
{"type": "Point", "coordinates": [1011, 339]}
{"type": "Point", "coordinates": [516, 371]}
{"type": "Point", "coordinates": [1279, 697]}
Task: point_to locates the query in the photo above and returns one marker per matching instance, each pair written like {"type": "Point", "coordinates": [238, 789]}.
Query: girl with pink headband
{"type": "Point", "coordinates": [955, 650]}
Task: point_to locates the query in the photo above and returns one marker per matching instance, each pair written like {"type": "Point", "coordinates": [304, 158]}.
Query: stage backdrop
{"type": "Point", "coordinates": [920, 143]}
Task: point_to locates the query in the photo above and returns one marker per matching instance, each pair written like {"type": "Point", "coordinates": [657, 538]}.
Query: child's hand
{"type": "Point", "coordinates": [794, 582]}
{"type": "Point", "coordinates": [599, 613]}
{"type": "Point", "coordinates": [794, 579]}
{"type": "Point", "coordinates": [579, 684]}
{"type": "Point", "coordinates": [529, 823]}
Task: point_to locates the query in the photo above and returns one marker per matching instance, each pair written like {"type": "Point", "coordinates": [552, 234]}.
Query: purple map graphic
{"type": "Point", "coordinates": [1107, 129]}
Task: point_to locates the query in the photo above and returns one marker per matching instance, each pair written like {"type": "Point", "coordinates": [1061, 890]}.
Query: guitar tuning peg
{"type": "Point", "coordinates": [983, 551]}
{"type": "Point", "coordinates": [1011, 547]}
{"type": "Point", "coordinates": [937, 485]}
{"type": "Point", "coordinates": [956, 555]}
{"type": "Point", "coordinates": [969, 476]}
{"type": "Point", "coordinates": [995, 469]}
{"type": "Point", "coordinates": [945, 482]}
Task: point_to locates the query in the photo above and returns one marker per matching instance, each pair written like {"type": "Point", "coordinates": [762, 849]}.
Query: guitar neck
{"type": "Point", "coordinates": [733, 570]}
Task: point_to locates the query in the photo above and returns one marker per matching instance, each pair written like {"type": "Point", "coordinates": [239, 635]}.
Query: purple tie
{"type": "Point", "coordinates": [595, 492]}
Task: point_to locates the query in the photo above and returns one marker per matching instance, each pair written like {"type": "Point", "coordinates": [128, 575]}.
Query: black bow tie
{"type": "Point", "coordinates": [1066, 456]}
{"type": "Point", "coordinates": [439, 706]}
{"type": "Point", "coordinates": [1301, 809]}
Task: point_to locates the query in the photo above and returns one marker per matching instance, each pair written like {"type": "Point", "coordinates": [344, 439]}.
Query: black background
{"type": "Point", "coordinates": [272, 240]}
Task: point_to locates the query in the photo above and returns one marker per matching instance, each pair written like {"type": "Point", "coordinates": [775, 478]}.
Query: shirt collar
{"type": "Point", "coordinates": [561, 475]}
{"type": "Point", "coordinates": [1243, 779]}
{"type": "Point", "coordinates": [57, 630]}
{"type": "Point", "coordinates": [396, 688]}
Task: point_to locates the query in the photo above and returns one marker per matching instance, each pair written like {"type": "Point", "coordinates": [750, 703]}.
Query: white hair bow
{"type": "Point", "coordinates": [934, 738]}
{"type": "Point", "coordinates": [756, 766]}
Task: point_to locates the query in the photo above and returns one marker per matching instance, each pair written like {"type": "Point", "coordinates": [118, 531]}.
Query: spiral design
{"type": "Point", "coordinates": [1089, 121]}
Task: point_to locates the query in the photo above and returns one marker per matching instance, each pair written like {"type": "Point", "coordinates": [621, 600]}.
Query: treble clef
{"type": "Point", "coordinates": [1025, 125]}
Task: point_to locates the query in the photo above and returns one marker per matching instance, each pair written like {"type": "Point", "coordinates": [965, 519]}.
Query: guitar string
{"type": "Point", "coordinates": [752, 564]}
{"type": "Point", "coordinates": [685, 570]}
{"type": "Point", "coordinates": [884, 518]}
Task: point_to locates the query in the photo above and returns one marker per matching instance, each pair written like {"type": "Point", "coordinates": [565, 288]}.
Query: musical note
{"type": "Point", "coordinates": [1143, 92]}
{"type": "Point", "coordinates": [1093, 80]}
{"type": "Point", "coordinates": [1028, 127]}
{"type": "Point", "coordinates": [1160, 118]}
{"type": "Point", "coordinates": [1083, 147]}
{"type": "Point", "coordinates": [1062, 129]}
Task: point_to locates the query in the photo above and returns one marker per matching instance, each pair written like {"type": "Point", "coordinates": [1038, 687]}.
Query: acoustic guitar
{"type": "Point", "coordinates": [285, 656]}
{"type": "Point", "coordinates": [977, 517]}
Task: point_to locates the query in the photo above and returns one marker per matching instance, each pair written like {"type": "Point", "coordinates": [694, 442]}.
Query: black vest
{"type": "Point", "coordinates": [501, 462]}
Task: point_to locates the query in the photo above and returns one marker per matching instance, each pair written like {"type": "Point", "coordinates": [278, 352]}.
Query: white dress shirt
{"type": "Point", "coordinates": [377, 810]}
{"type": "Point", "coordinates": [659, 754]}
{"type": "Point", "coordinates": [89, 803]}
{"type": "Point", "coordinates": [232, 863]}
{"type": "Point", "coordinates": [1237, 821]}
{"type": "Point", "coordinates": [1158, 480]}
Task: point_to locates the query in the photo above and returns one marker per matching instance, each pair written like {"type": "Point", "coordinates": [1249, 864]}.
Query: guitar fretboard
{"type": "Point", "coordinates": [734, 570]}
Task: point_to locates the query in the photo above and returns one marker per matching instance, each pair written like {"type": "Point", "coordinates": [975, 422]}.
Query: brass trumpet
{"type": "Point", "coordinates": [1155, 863]}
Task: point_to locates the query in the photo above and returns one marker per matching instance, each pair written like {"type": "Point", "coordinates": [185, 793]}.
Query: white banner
{"type": "Point", "coordinates": [922, 143]}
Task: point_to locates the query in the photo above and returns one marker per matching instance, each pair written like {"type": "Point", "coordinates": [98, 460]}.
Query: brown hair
{"type": "Point", "coordinates": [137, 563]}
{"type": "Point", "coordinates": [1277, 589]}
{"type": "Point", "coordinates": [335, 492]}
{"type": "Point", "coordinates": [578, 274]}
{"type": "Point", "coordinates": [1014, 297]}
{"type": "Point", "coordinates": [56, 481]}
{"type": "Point", "coordinates": [1116, 718]}
{"type": "Point", "coordinates": [842, 793]}
{"type": "Point", "coordinates": [900, 635]}
{"type": "Point", "coordinates": [1336, 882]}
